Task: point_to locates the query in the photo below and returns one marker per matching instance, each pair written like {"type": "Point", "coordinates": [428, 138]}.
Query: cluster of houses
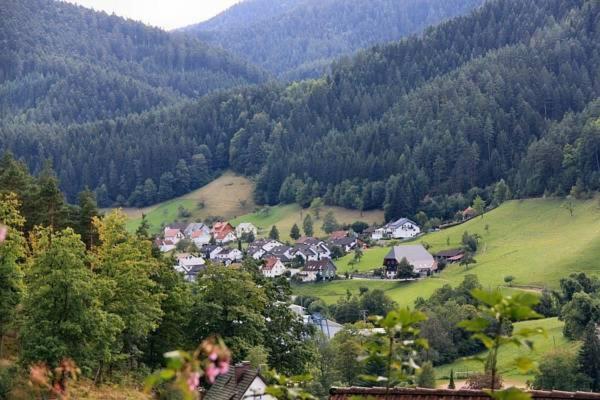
{"type": "Point", "coordinates": [201, 234]}
{"type": "Point", "coordinates": [307, 260]}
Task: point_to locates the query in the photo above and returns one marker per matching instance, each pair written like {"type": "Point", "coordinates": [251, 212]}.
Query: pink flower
{"type": "Point", "coordinates": [211, 373]}
{"type": "Point", "coordinates": [213, 356]}
{"type": "Point", "coordinates": [193, 381]}
{"type": "Point", "coordinates": [223, 367]}
{"type": "Point", "coordinates": [3, 233]}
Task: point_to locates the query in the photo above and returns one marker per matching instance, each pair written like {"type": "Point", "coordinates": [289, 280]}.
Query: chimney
{"type": "Point", "coordinates": [240, 370]}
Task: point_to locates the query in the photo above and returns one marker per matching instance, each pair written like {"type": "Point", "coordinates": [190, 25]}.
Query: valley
{"type": "Point", "coordinates": [300, 199]}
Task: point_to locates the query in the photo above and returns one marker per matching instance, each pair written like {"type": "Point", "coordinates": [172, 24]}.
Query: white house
{"type": "Point", "coordinates": [245, 228]}
{"type": "Point", "coordinates": [190, 266]}
{"type": "Point", "coordinates": [165, 245]}
{"type": "Point", "coordinates": [273, 267]}
{"type": "Point", "coordinates": [200, 237]}
{"type": "Point", "coordinates": [173, 235]}
{"type": "Point", "coordinates": [402, 228]}
{"type": "Point", "coordinates": [228, 256]}
{"type": "Point", "coordinates": [195, 227]}
{"type": "Point", "coordinates": [239, 383]}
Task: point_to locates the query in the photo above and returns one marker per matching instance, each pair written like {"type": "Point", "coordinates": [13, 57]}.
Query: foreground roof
{"type": "Point", "coordinates": [446, 394]}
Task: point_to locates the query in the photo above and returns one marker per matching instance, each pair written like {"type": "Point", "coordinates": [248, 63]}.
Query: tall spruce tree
{"type": "Point", "coordinates": [589, 356]}
{"type": "Point", "coordinates": [12, 250]}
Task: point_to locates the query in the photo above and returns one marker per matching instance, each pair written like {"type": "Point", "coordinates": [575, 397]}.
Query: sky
{"type": "Point", "coordinates": [166, 14]}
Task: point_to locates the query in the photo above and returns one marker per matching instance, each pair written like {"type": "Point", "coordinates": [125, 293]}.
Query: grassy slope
{"type": "Point", "coordinates": [227, 196]}
{"type": "Point", "coordinates": [285, 216]}
{"type": "Point", "coordinates": [534, 240]}
{"type": "Point", "coordinates": [230, 197]}
{"type": "Point", "coordinates": [542, 345]}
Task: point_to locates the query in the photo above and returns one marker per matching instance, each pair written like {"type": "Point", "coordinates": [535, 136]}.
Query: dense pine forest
{"type": "Point", "coordinates": [300, 38]}
{"type": "Point", "coordinates": [507, 92]}
{"type": "Point", "coordinates": [61, 63]}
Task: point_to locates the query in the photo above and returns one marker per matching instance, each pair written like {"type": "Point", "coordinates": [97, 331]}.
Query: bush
{"type": "Point", "coordinates": [559, 371]}
{"type": "Point", "coordinates": [7, 380]}
{"type": "Point", "coordinates": [426, 376]}
{"type": "Point", "coordinates": [483, 381]}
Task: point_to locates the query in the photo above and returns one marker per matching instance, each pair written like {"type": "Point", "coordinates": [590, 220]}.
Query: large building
{"type": "Point", "coordinates": [422, 261]}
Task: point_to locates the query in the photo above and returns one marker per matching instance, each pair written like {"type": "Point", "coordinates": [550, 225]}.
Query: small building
{"type": "Point", "coordinates": [200, 238]}
{"type": "Point", "coordinates": [328, 327]}
{"type": "Point", "coordinates": [165, 245]}
{"type": "Point", "coordinates": [338, 235]}
{"type": "Point", "coordinates": [346, 243]}
{"type": "Point", "coordinates": [314, 271]}
{"type": "Point", "coordinates": [422, 261]}
{"type": "Point", "coordinates": [173, 235]}
{"type": "Point", "coordinates": [190, 266]}
{"type": "Point", "coordinates": [272, 267]}
{"type": "Point", "coordinates": [196, 227]}
{"type": "Point", "coordinates": [450, 255]}
{"type": "Point", "coordinates": [282, 252]}
{"type": "Point", "coordinates": [245, 228]}
{"type": "Point", "coordinates": [402, 228]}
{"type": "Point", "coordinates": [240, 382]}
{"type": "Point", "coordinates": [469, 213]}
{"type": "Point", "coordinates": [209, 251]}
{"type": "Point", "coordinates": [228, 256]}
{"type": "Point", "coordinates": [223, 232]}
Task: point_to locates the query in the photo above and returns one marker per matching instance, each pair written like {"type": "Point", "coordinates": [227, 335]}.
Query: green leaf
{"type": "Point", "coordinates": [509, 394]}
{"type": "Point", "coordinates": [491, 298]}
{"type": "Point", "coordinates": [478, 324]}
{"type": "Point", "coordinates": [525, 364]}
{"type": "Point", "coordinates": [487, 341]}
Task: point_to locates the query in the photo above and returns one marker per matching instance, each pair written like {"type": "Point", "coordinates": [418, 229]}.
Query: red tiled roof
{"type": "Point", "coordinates": [338, 235]}
{"type": "Point", "coordinates": [197, 234]}
{"type": "Point", "coordinates": [270, 263]}
{"type": "Point", "coordinates": [172, 232]}
{"type": "Point", "coordinates": [446, 394]}
{"type": "Point", "coordinates": [221, 229]}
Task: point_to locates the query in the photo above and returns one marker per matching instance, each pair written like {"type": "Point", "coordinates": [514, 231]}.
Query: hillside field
{"type": "Point", "coordinates": [553, 340]}
{"type": "Point", "coordinates": [228, 196]}
{"type": "Point", "coordinates": [536, 241]}
{"type": "Point", "coordinates": [285, 216]}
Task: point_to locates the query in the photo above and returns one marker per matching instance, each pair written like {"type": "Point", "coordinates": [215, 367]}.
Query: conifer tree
{"type": "Point", "coordinates": [274, 234]}
{"type": "Point", "coordinates": [589, 356]}
{"type": "Point", "coordinates": [307, 225]}
{"type": "Point", "coordinates": [12, 248]}
{"type": "Point", "coordinates": [295, 232]}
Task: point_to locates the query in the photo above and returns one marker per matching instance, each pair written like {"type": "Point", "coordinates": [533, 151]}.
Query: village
{"type": "Point", "coordinates": [308, 259]}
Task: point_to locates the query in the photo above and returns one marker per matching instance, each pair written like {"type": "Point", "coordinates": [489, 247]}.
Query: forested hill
{"type": "Point", "coordinates": [300, 38]}
{"type": "Point", "coordinates": [507, 92]}
{"type": "Point", "coordinates": [63, 63]}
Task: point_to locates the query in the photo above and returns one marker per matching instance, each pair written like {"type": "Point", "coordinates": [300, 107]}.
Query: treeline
{"type": "Point", "coordinates": [299, 39]}
{"type": "Point", "coordinates": [62, 63]}
{"type": "Point", "coordinates": [427, 123]}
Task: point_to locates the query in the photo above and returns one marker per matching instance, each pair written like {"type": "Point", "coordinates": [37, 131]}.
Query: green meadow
{"type": "Point", "coordinates": [542, 344]}
{"type": "Point", "coordinates": [536, 241]}
{"type": "Point", "coordinates": [285, 216]}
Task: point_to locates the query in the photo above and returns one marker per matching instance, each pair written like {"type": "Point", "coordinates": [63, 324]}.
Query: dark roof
{"type": "Point", "coordinates": [308, 240]}
{"type": "Point", "coordinates": [445, 394]}
{"type": "Point", "coordinates": [450, 253]}
{"type": "Point", "coordinates": [399, 222]}
{"type": "Point", "coordinates": [233, 384]}
{"type": "Point", "coordinates": [318, 265]}
{"type": "Point", "coordinates": [344, 241]}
